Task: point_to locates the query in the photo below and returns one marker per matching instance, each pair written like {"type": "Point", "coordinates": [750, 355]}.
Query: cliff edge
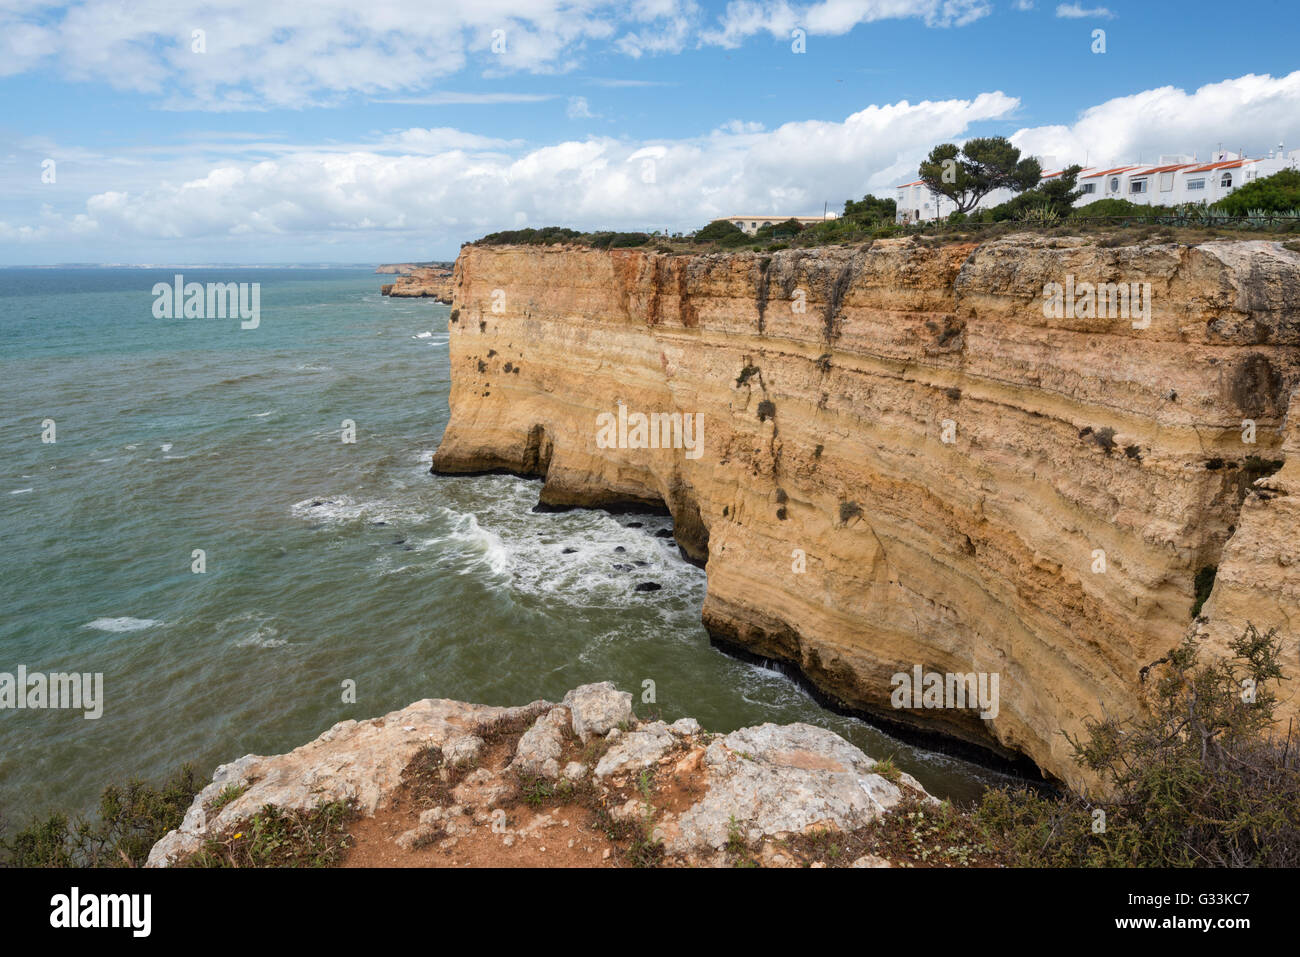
{"type": "Point", "coordinates": [446, 782]}
{"type": "Point", "coordinates": [1030, 458]}
{"type": "Point", "coordinates": [418, 281]}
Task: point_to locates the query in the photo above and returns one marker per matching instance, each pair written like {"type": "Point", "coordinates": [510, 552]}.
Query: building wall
{"type": "Point", "coordinates": [752, 224]}
{"type": "Point", "coordinates": [1162, 186]}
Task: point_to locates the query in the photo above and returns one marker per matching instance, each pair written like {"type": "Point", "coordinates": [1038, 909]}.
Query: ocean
{"type": "Point", "coordinates": [199, 533]}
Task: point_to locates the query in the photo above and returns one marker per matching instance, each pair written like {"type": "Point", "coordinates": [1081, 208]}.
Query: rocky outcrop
{"type": "Point", "coordinates": [432, 281]}
{"type": "Point", "coordinates": [355, 762]}
{"type": "Point", "coordinates": [909, 460]}
{"type": "Point", "coordinates": [402, 269]}
{"type": "Point", "coordinates": [767, 782]}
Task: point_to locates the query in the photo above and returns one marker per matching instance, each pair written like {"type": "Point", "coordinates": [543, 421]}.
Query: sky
{"type": "Point", "coordinates": [261, 131]}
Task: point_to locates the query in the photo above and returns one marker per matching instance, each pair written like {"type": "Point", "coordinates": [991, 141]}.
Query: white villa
{"type": "Point", "coordinates": [1173, 180]}
{"type": "Point", "coordinates": [752, 224]}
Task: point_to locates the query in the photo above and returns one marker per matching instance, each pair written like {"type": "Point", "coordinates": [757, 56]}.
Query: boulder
{"type": "Point", "coordinates": [636, 750]}
{"type": "Point", "coordinates": [540, 746]}
{"type": "Point", "coordinates": [777, 780]}
{"type": "Point", "coordinates": [597, 708]}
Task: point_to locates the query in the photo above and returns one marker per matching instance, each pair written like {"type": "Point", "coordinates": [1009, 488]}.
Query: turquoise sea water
{"type": "Point", "coordinates": [326, 562]}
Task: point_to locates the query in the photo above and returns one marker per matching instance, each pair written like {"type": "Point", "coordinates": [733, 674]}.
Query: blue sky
{"type": "Point", "coordinates": [385, 131]}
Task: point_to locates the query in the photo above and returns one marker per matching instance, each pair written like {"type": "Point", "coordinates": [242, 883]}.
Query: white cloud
{"type": "Point", "coordinates": [423, 191]}
{"type": "Point", "coordinates": [456, 185]}
{"type": "Point", "coordinates": [745, 18]}
{"type": "Point", "coordinates": [741, 126]}
{"type": "Point", "coordinates": [672, 24]}
{"type": "Point", "coordinates": [1251, 111]}
{"type": "Point", "coordinates": [449, 98]}
{"type": "Point", "coordinates": [440, 140]}
{"type": "Point", "coordinates": [619, 83]}
{"type": "Point", "coordinates": [1074, 11]}
{"type": "Point", "coordinates": [579, 109]}
{"type": "Point", "coordinates": [259, 54]}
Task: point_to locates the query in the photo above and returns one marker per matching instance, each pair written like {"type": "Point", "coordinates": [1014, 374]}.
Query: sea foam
{"type": "Point", "coordinates": [121, 624]}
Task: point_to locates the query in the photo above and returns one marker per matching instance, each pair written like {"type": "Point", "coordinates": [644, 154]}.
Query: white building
{"type": "Point", "coordinates": [1170, 182]}
{"type": "Point", "coordinates": [916, 204]}
{"type": "Point", "coordinates": [752, 224]}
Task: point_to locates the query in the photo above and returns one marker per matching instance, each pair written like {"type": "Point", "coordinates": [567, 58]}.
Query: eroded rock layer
{"type": "Point", "coordinates": [905, 462]}
{"type": "Point", "coordinates": [418, 282]}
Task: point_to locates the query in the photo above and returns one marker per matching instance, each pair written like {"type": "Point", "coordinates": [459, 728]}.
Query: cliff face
{"type": "Point", "coordinates": [433, 282]}
{"type": "Point", "coordinates": [905, 462]}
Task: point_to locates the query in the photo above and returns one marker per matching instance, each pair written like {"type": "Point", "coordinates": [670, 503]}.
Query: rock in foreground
{"type": "Point", "coordinates": [683, 794]}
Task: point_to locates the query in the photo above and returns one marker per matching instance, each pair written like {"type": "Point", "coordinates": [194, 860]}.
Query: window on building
{"type": "Point", "coordinates": [1114, 184]}
{"type": "Point", "coordinates": [1089, 188]}
{"type": "Point", "coordinates": [1166, 182]}
{"type": "Point", "coordinates": [1137, 186]}
{"type": "Point", "coordinates": [1226, 181]}
{"type": "Point", "coordinates": [1196, 184]}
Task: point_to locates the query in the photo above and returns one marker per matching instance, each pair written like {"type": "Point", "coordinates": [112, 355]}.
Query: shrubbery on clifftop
{"type": "Point", "coordinates": [1201, 780]}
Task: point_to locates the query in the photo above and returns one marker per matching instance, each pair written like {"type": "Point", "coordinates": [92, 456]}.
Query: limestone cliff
{"type": "Point", "coordinates": [906, 462]}
{"type": "Point", "coordinates": [431, 281]}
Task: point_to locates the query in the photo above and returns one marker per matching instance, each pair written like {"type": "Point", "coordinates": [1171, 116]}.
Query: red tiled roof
{"type": "Point", "coordinates": [1164, 169]}
{"type": "Point", "coordinates": [1225, 164]}
{"type": "Point", "coordinates": [1107, 172]}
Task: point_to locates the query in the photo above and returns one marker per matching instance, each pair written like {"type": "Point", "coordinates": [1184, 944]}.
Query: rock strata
{"type": "Point", "coordinates": [418, 282]}
{"type": "Point", "coordinates": [907, 459]}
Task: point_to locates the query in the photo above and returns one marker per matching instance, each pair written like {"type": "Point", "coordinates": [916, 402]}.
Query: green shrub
{"type": "Point", "coordinates": [278, 837]}
{"type": "Point", "coordinates": [722, 232]}
{"type": "Point", "coordinates": [1279, 193]}
{"type": "Point", "coordinates": [617, 240]}
{"type": "Point", "coordinates": [1200, 779]}
{"type": "Point", "coordinates": [786, 228]}
{"type": "Point", "coordinates": [129, 822]}
{"type": "Point", "coordinates": [1105, 208]}
{"type": "Point", "coordinates": [869, 209]}
{"type": "Point", "coordinates": [547, 235]}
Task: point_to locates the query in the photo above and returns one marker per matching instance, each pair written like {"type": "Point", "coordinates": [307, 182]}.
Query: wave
{"type": "Point", "coordinates": [586, 557]}
{"type": "Point", "coordinates": [122, 624]}
{"type": "Point", "coordinates": [486, 546]}
{"type": "Point", "coordinates": [265, 631]}
{"type": "Point", "coordinates": [341, 509]}
{"type": "Point", "coordinates": [264, 636]}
